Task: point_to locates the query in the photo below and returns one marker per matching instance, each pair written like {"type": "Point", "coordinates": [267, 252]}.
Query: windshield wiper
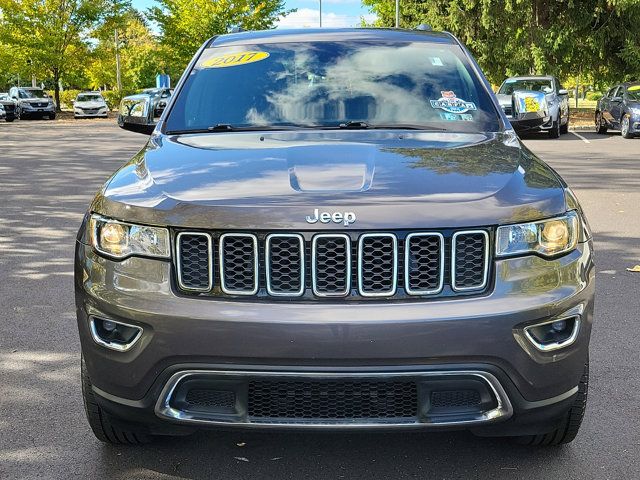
{"type": "Point", "coordinates": [360, 125]}
{"type": "Point", "coordinates": [355, 124]}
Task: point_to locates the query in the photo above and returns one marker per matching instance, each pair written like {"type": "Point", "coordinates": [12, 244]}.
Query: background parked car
{"type": "Point", "coordinates": [90, 104]}
{"type": "Point", "coordinates": [34, 102]}
{"type": "Point", "coordinates": [3, 114]}
{"type": "Point", "coordinates": [160, 99]}
{"type": "Point", "coordinates": [619, 109]}
{"type": "Point", "coordinates": [10, 106]}
{"type": "Point", "coordinates": [555, 122]}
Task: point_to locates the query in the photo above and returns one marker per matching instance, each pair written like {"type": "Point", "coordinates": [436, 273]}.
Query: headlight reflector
{"type": "Point", "coordinates": [120, 240]}
{"type": "Point", "coordinates": [545, 237]}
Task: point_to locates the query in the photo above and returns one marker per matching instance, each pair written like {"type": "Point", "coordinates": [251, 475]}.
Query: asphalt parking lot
{"type": "Point", "coordinates": [48, 174]}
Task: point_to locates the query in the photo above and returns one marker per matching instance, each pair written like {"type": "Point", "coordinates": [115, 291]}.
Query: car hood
{"type": "Point", "coordinates": [36, 100]}
{"type": "Point", "coordinates": [387, 178]}
{"type": "Point", "coordinates": [91, 104]}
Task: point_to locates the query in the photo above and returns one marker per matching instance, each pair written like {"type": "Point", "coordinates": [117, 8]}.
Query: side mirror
{"type": "Point", "coordinates": [136, 114]}
{"type": "Point", "coordinates": [616, 99]}
{"type": "Point", "coordinates": [563, 91]}
{"type": "Point", "coordinates": [529, 105]}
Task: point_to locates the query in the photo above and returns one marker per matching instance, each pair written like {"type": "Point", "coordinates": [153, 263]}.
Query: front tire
{"type": "Point", "coordinates": [555, 129]}
{"type": "Point", "coordinates": [601, 128]}
{"type": "Point", "coordinates": [570, 424]}
{"type": "Point", "coordinates": [564, 129]}
{"type": "Point", "coordinates": [105, 427]}
{"type": "Point", "coordinates": [625, 126]}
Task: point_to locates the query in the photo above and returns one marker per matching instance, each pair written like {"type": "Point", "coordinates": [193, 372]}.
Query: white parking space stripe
{"type": "Point", "coordinates": [581, 137]}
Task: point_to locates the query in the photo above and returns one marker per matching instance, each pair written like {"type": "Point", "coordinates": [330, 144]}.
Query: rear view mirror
{"type": "Point", "coordinates": [529, 105]}
{"type": "Point", "coordinates": [136, 114]}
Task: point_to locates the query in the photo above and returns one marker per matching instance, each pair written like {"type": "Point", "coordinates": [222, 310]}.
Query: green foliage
{"type": "Point", "coordinates": [515, 37]}
{"type": "Point", "coordinates": [138, 50]}
{"type": "Point", "coordinates": [593, 96]}
{"type": "Point", "coordinates": [113, 97]}
{"type": "Point", "coordinates": [186, 24]}
{"type": "Point", "coordinates": [47, 36]}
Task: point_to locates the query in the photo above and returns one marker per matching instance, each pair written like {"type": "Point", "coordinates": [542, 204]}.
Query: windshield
{"type": "Point", "coordinates": [633, 93]}
{"type": "Point", "coordinates": [33, 94]}
{"type": "Point", "coordinates": [89, 98]}
{"type": "Point", "coordinates": [325, 84]}
{"type": "Point", "coordinates": [511, 85]}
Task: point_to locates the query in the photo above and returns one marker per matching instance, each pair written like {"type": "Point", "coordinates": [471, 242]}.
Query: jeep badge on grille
{"type": "Point", "coordinates": [346, 218]}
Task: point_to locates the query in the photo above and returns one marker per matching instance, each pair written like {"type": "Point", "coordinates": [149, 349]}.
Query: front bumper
{"type": "Point", "coordinates": [79, 113]}
{"type": "Point", "coordinates": [480, 334]}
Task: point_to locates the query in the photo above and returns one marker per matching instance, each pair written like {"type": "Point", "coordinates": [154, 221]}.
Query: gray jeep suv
{"type": "Point", "coordinates": [334, 229]}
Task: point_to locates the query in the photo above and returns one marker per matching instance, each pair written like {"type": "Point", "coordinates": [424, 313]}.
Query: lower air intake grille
{"type": "Point", "coordinates": [455, 399]}
{"type": "Point", "coordinates": [470, 260]}
{"type": "Point", "coordinates": [206, 398]}
{"type": "Point", "coordinates": [194, 269]}
{"type": "Point", "coordinates": [329, 400]}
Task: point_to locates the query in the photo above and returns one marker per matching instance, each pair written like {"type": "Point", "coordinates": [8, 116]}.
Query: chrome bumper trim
{"type": "Point", "coordinates": [164, 410]}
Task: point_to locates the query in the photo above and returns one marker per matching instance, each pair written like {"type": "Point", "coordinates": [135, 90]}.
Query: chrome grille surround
{"type": "Point", "coordinates": [179, 261]}
{"type": "Point", "coordinates": [407, 264]}
{"type": "Point", "coordinates": [268, 264]}
{"type": "Point", "coordinates": [485, 266]}
{"type": "Point", "coordinates": [223, 282]}
{"type": "Point", "coordinates": [314, 265]}
{"type": "Point", "coordinates": [361, 265]}
{"type": "Point", "coordinates": [422, 264]}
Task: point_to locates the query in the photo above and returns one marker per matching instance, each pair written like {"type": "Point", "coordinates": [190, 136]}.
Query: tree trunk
{"type": "Point", "coordinates": [56, 88]}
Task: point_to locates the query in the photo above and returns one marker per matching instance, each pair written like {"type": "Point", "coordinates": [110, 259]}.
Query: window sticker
{"type": "Point", "coordinates": [436, 61]}
{"type": "Point", "coordinates": [235, 59]}
{"type": "Point", "coordinates": [455, 117]}
{"type": "Point", "coordinates": [452, 104]}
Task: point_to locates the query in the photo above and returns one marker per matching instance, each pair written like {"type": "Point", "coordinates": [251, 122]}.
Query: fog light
{"type": "Point", "coordinates": [554, 334]}
{"type": "Point", "coordinates": [114, 335]}
{"type": "Point", "coordinates": [108, 325]}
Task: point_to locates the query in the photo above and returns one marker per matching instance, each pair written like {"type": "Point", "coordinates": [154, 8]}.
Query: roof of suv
{"type": "Point", "coordinates": [331, 34]}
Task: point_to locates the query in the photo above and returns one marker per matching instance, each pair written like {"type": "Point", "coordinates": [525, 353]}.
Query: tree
{"type": "Point", "coordinates": [138, 50]}
{"type": "Point", "coordinates": [534, 36]}
{"type": "Point", "coordinates": [50, 34]}
{"type": "Point", "coordinates": [186, 24]}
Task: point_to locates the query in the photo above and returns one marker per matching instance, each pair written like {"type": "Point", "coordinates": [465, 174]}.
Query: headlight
{"type": "Point", "coordinates": [120, 240]}
{"type": "Point", "coordinates": [546, 237]}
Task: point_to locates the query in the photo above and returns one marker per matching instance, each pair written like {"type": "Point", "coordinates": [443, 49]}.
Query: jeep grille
{"type": "Point", "coordinates": [351, 266]}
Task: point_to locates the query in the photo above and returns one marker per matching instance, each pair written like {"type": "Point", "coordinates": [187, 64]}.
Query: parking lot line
{"type": "Point", "coordinates": [581, 137]}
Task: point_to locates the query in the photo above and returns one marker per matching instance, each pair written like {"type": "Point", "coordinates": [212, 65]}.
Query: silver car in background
{"type": "Point", "coordinates": [90, 104]}
{"type": "Point", "coordinates": [552, 104]}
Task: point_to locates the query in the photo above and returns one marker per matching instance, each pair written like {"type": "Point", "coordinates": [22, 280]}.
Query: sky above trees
{"type": "Point", "coordinates": [335, 13]}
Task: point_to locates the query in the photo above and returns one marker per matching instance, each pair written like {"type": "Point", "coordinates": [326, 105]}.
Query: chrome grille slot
{"type": "Point", "coordinates": [239, 263]}
{"type": "Point", "coordinates": [331, 265]}
{"type": "Point", "coordinates": [424, 263]}
{"type": "Point", "coordinates": [469, 260]}
{"type": "Point", "coordinates": [195, 261]}
{"type": "Point", "coordinates": [377, 264]}
{"type": "Point", "coordinates": [284, 258]}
